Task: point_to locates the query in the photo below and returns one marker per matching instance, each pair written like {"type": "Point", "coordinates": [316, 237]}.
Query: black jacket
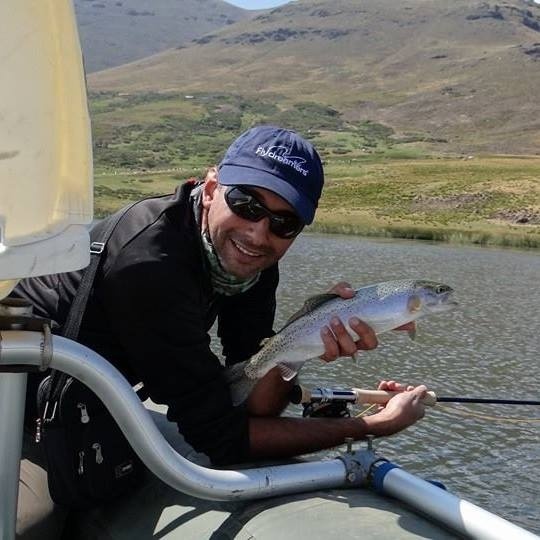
{"type": "Point", "coordinates": [150, 312]}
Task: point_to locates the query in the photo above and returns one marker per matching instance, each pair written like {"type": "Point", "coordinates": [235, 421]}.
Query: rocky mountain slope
{"type": "Point", "coordinates": [462, 75]}
{"type": "Point", "coordinates": [114, 32]}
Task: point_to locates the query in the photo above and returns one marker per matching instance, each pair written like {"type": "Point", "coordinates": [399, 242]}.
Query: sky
{"type": "Point", "coordinates": [257, 4]}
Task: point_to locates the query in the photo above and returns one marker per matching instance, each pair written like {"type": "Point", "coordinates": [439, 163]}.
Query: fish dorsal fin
{"type": "Point", "coordinates": [310, 305]}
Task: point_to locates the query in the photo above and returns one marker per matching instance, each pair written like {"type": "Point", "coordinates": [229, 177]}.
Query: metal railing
{"type": "Point", "coordinates": [24, 350]}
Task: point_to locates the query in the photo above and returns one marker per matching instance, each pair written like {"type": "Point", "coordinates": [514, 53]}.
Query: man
{"type": "Point", "coordinates": [176, 263]}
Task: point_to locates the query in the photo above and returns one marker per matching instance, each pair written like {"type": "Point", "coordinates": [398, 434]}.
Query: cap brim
{"type": "Point", "coordinates": [235, 175]}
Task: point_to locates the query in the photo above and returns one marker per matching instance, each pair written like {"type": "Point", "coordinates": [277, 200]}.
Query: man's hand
{"type": "Point", "coordinates": [393, 386]}
{"type": "Point", "coordinates": [403, 410]}
{"type": "Point", "coordinates": [286, 436]}
{"type": "Point", "coordinates": [337, 341]}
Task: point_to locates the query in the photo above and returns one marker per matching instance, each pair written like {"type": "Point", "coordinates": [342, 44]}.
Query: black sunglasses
{"type": "Point", "coordinates": [246, 205]}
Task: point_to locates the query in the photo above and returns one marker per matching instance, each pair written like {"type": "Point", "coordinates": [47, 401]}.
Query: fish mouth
{"type": "Point", "coordinates": [447, 306]}
{"type": "Point", "coordinates": [443, 302]}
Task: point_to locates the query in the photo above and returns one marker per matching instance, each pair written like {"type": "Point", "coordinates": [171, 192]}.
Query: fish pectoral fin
{"type": "Point", "coordinates": [412, 333]}
{"type": "Point", "coordinates": [289, 370]}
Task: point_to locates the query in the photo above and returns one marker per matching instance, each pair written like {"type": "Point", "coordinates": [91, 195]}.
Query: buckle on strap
{"type": "Point", "coordinates": [50, 418]}
{"type": "Point", "coordinates": [47, 348]}
{"type": "Point", "coordinates": [97, 247]}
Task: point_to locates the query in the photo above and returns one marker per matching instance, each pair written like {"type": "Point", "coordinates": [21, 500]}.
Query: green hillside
{"type": "Point", "coordinates": [376, 184]}
{"type": "Point", "coordinates": [425, 113]}
{"type": "Point", "coordinates": [462, 76]}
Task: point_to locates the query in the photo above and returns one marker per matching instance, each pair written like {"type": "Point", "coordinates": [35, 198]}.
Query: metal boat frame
{"type": "Point", "coordinates": [22, 351]}
{"type": "Point", "coordinates": [56, 76]}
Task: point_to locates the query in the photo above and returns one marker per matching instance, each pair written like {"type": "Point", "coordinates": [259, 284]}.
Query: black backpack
{"type": "Point", "coordinates": [89, 461]}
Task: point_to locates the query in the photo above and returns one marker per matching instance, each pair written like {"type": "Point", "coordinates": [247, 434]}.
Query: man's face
{"type": "Point", "coordinates": [243, 247]}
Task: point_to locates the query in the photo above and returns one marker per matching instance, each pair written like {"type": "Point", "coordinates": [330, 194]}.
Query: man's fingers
{"type": "Point", "coordinates": [367, 339]}
{"type": "Point", "coordinates": [331, 349]}
{"type": "Point", "coordinates": [420, 391]}
{"type": "Point", "coordinates": [394, 386]}
{"type": "Point", "coordinates": [346, 344]}
{"type": "Point", "coordinates": [343, 289]}
{"type": "Point", "coordinates": [338, 342]}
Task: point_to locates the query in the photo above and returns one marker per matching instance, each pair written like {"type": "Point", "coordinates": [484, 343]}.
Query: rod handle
{"type": "Point", "coordinates": [300, 394]}
{"type": "Point", "coordinates": [381, 397]}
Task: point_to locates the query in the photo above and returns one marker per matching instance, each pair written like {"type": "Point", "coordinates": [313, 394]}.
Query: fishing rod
{"type": "Point", "coordinates": [358, 396]}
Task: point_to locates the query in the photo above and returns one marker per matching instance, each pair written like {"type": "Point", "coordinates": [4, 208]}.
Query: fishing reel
{"type": "Point", "coordinates": [331, 409]}
{"type": "Point", "coordinates": [322, 402]}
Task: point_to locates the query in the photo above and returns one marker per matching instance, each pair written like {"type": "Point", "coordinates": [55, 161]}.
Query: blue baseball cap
{"type": "Point", "coordinates": [279, 160]}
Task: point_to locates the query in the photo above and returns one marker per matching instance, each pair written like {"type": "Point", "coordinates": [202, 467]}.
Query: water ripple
{"type": "Point", "coordinates": [488, 348]}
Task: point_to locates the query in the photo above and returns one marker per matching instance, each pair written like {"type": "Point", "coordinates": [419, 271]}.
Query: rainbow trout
{"type": "Point", "coordinates": [383, 306]}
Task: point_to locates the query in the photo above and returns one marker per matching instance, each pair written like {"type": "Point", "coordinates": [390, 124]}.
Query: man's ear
{"type": "Point", "coordinates": [209, 190]}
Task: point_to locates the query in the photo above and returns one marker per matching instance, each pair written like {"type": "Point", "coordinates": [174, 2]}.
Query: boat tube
{"type": "Point", "coordinates": [21, 350]}
{"type": "Point", "coordinates": [45, 208]}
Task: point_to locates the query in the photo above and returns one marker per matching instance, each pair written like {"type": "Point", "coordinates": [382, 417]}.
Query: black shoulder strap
{"type": "Point", "coordinates": [73, 321]}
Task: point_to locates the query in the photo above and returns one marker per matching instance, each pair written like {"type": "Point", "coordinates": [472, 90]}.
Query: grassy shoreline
{"type": "Point", "coordinates": [491, 200]}
{"type": "Point", "coordinates": [380, 182]}
{"type": "Point", "coordinates": [433, 234]}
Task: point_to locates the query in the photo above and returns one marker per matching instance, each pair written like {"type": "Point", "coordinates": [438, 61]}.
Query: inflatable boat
{"type": "Point", "coordinates": [45, 209]}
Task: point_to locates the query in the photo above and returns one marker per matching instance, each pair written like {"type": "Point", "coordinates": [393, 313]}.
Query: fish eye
{"type": "Point", "coordinates": [440, 289]}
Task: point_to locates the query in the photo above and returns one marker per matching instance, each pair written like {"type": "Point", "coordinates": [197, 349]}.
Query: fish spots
{"type": "Point", "coordinates": [382, 306]}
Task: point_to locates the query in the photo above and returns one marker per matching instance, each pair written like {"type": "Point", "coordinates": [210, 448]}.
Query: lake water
{"type": "Point", "coordinates": [489, 347]}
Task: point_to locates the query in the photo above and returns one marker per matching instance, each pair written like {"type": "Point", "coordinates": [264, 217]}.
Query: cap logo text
{"type": "Point", "coordinates": [282, 155]}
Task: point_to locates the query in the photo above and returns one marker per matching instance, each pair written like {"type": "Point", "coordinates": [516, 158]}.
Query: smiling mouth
{"type": "Point", "coordinates": [245, 250]}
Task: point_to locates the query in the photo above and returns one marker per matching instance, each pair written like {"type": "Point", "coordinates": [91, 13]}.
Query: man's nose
{"type": "Point", "coordinates": [261, 230]}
